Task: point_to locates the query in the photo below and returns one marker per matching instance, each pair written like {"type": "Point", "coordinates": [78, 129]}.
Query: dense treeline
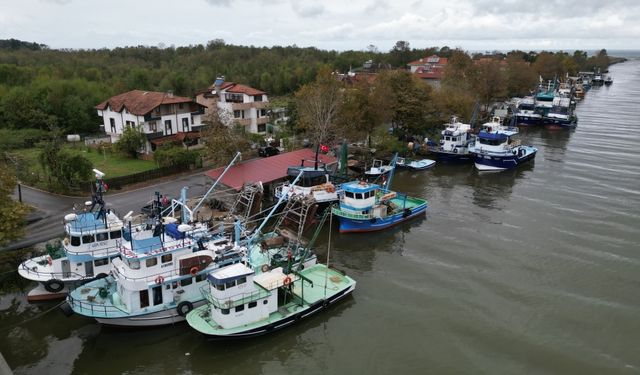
{"type": "Point", "coordinates": [42, 88]}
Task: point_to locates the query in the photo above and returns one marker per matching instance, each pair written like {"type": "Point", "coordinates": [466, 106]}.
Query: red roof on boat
{"type": "Point", "coordinates": [268, 169]}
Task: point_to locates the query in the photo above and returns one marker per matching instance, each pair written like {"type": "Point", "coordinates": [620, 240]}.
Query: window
{"type": "Point", "coordinates": [230, 284]}
{"type": "Point", "coordinates": [220, 286]}
{"type": "Point", "coordinates": [238, 114]}
{"type": "Point", "coordinates": [262, 113]}
{"type": "Point", "coordinates": [185, 124]}
{"type": "Point", "coordinates": [253, 304]}
{"type": "Point", "coordinates": [241, 280]}
{"type": "Point", "coordinates": [134, 264]}
{"type": "Point", "coordinates": [447, 138]}
{"type": "Point", "coordinates": [168, 287]}
{"type": "Point", "coordinates": [153, 127]}
{"type": "Point", "coordinates": [358, 195]}
{"type": "Point", "coordinates": [265, 301]}
{"type": "Point", "coordinates": [75, 241]}
{"type": "Point", "coordinates": [152, 262]}
{"type": "Point", "coordinates": [454, 139]}
{"type": "Point", "coordinates": [191, 119]}
{"type": "Point", "coordinates": [112, 121]}
{"type": "Point", "coordinates": [348, 194]}
{"type": "Point", "coordinates": [262, 128]}
{"type": "Point", "coordinates": [166, 258]}
{"type": "Point", "coordinates": [174, 285]}
{"type": "Point", "coordinates": [101, 262]}
{"type": "Point", "coordinates": [144, 298]}
{"type": "Point", "coordinates": [131, 124]}
{"type": "Point", "coordinates": [224, 311]}
{"type": "Point", "coordinates": [180, 105]}
{"type": "Point", "coordinates": [87, 238]}
{"type": "Point", "coordinates": [239, 308]}
{"type": "Point", "coordinates": [102, 236]}
{"type": "Point", "coordinates": [157, 295]}
{"type": "Point", "coordinates": [185, 282]}
{"type": "Point", "coordinates": [257, 98]}
{"type": "Point", "coordinates": [167, 127]}
{"type": "Point", "coordinates": [116, 234]}
{"type": "Point", "coordinates": [200, 277]}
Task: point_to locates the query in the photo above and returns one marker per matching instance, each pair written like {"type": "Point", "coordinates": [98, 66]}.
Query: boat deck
{"type": "Point", "coordinates": [319, 275]}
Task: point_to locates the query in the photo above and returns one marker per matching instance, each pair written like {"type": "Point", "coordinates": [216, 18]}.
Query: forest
{"type": "Point", "coordinates": [43, 88]}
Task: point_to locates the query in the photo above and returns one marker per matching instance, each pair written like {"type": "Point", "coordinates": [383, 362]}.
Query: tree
{"type": "Point", "coordinates": [318, 105]}
{"type": "Point", "coordinates": [489, 82]}
{"type": "Point", "coordinates": [171, 155]}
{"type": "Point", "coordinates": [222, 141]}
{"type": "Point", "coordinates": [12, 213]}
{"type": "Point", "coordinates": [131, 141]}
{"type": "Point", "coordinates": [366, 106]}
{"type": "Point", "coordinates": [400, 54]}
{"type": "Point", "coordinates": [521, 79]}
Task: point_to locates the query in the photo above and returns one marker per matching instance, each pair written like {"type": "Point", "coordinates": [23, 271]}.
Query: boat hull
{"type": "Point", "coordinates": [485, 162]}
{"type": "Point", "coordinates": [289, 320]}
{"type": "Point", "coordinates": [528, 121]}
{"type": "Point", "coordinates": [348, 225]}
{"type": "Point", "coordinates": [451, 157]}
{"type": "Point", "coordinates": [152, 319]}
{"type": "Point", "coordinates": [558, 124]}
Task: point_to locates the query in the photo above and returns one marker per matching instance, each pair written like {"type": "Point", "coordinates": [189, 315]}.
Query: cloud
{"type": "Point", "coordinates": [221, 3]}
{"type": "Point", "coordinates": [307, 8]}
{"type": "Point", "coordinates": [59, 2]}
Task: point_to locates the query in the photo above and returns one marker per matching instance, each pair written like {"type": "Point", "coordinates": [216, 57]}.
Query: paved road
{"type": "Point", "coordinates": [51, 208]}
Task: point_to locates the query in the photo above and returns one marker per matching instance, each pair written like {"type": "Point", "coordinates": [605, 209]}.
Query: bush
{"type": "Point", "coordinates": [11, 139]}
{"type": "Point", "coordinates": [171, 155]}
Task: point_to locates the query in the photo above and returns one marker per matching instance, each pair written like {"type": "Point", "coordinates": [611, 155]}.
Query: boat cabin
{"type": "Point", "coordinates": [237, 296]}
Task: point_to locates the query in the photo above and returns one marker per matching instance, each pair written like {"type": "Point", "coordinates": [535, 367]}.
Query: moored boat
{"type": "Point", "coordinates": [496, 149]}
{"type": "Point", "coordinates": [315, 182]}
{"type": "Point", "coordinates": [416, 165]}
{"type": "Point", "coordinates": [86, 252]}
{"type": "Point", "coordinates": [526, 113]}
{"type": "Point", "coordinates": [561, 115]}
{"type": "Point", "coordinates": [454, 143]}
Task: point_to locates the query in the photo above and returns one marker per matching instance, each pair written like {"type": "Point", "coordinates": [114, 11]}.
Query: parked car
{"type": "Point", "coordinates": [268, 151]}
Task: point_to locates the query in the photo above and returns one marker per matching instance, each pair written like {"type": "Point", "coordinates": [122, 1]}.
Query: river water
{"type": "Point", "coordinates": [535, 270]}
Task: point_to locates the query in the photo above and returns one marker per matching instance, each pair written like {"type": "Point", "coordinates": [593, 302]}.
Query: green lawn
{"type": "Point", "coordinates": [112, 164]}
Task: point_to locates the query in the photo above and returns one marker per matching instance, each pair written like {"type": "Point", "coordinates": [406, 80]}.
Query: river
{"type": "Point", "coordinates": [535, 270]}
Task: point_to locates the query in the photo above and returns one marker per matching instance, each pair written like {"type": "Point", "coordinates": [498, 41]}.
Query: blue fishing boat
{"type": "Point", "coordinates": [367, 207]}
{"type": "Point", "coordinates": [454, 143]}
{"type": "Point", "coordinates": [496, 149]}
{"type": "Point", "coordinates": [526, 113]}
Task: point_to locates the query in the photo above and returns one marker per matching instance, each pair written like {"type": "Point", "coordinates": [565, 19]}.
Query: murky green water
{"type": "Point", "coordinates": [529, 271]}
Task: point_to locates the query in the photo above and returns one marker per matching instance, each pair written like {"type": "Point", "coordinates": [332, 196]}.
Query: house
{"type": "Point", "coordinates": [163, 117]}
{"type": "Point", "coordinates": [430, 69]}
{"type": "Point", "coordinates": [237, 103]}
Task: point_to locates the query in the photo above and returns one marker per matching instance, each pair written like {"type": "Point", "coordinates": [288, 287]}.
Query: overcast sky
{"type": "Point", "coordinates": [328, 24]}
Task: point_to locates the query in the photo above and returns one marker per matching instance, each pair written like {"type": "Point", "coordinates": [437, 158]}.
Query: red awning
{"type": "Point", "coordinates": [267, 170]}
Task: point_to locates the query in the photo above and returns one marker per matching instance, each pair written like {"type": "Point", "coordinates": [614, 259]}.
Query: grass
{"type": "Point", "coordinates": [112, 164]}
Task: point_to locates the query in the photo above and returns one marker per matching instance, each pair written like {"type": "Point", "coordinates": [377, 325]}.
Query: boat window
{"type": "Point", "coordinates": [185, 282]}
{"type": "Point", "coordinates": [166, 258]}
{"type": "Point", "coordinates": [490, 142]}
{"type": "Point", "coordinates": [241, 280]}
{"type": "Point", "coordinates": [358, 195]}
{"type": "Point", "coordinates": [348, 194]}
{"type": "Point", "coordinates": [116, 234]}
{"type": "Point", "coordinates": [102, 236]}
{"type": "Point", "coordinates": [230, 284]}
{"type": "Point", "coordinates": [454, 138]}
{"type": "Point", "coordinates": [265, 302]}
{"type": "Point", "coordinates": [87, 238]}
{"type": "Point", "coordinates": [200, 277]}
{"type": "Point", "coordinates": [447, 138]}
{"type": "Point", "coordinates": [144, 298]}
{"type": "Point", "coordinates": [220, 286]}
{"type": "Point", "coordinates": [101, 262]}
{"type": "Point", "coordinates": [253, 304]}
{"type": "Point", "coordinates": [157, 295]}
{"type": "Point", "coordinates": [174, 285]}
{"type": "Point", "coordinates": [75, 241]}
{"type": "Point", "coordinates": [239, 308]}
{"type": "Point", "coordinates": [152, 261]}
{"type": "Point", "coordinates": [134, 264]}
{"type": "Point", "coordinates": [224, 311]}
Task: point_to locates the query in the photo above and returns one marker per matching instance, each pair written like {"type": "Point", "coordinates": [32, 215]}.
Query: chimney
{"type": "Point", "coordinates": [170, 93]}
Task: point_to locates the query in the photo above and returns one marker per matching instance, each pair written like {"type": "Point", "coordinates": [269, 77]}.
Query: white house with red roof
{"type": "Point", "coordinates": [238, 103]}
{"type": "Point", "coordinates": [163, 117]}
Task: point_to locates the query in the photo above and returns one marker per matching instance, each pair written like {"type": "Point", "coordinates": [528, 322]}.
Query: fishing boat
{"type": "Point", "coordinates": [526, 113]}
{"type": "Point", "coordinates": [561, 115]}
{"type": "Point", "coordinates": [378, 170]}
{"type": "Point", "coordinates": [315, 182]}
{"type": "Point", "coordinates": [367, 207]}
{"type": "Point", "coordinates": [598, 79]}
{"type": "Point", "coordinates": [454, 143]}
{"type": "Point", "coordinates": [416, 165]}
{"type": "Point", "coordinates": [608, 81]}
{"type": "Point", "coordinates": [87, 251]}
{"type": "Point", "coordinates": [243, 304]}
{"type": "Point", "coordinates": [496, 149]}
{"type": "Point", "coordinates": [544, 98]}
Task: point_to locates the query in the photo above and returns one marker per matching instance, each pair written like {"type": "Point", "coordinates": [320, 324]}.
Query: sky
{"type": "Point", "coordinates": [473, 25]}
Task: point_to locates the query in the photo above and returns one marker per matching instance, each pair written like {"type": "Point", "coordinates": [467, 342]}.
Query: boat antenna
{"type": "Point", "coordinates": [387, 184]}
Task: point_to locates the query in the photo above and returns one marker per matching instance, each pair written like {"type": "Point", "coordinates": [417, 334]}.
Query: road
{"type": "Point", "coordinates": [46, 221]}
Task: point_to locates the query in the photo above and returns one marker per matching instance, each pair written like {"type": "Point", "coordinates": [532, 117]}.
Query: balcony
{"type": "Point", "coordinates": [243, 106]}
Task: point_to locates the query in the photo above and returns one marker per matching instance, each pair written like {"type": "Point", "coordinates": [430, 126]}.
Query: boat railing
{"type": "Point", "coordinates": [235, 300]}
{"type": "Point", "coordinates": [94, 307]}
{"type": "Point", "coordinates": [53, 275]}
{"type": "Point", "coordinates": [97, 253]}
{"type": "Point", "coordinates": [343, 213]}
{"type": "Point", "coordinates": [165, 246]}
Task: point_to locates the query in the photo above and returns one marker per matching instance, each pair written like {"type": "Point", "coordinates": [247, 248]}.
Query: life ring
{"type": "Point", "coordinates": [165, 201]}
{"type": "Point", "coordinates": [159, 280]}
{"type": "Point", "coordinates": [265, 268]}
{"type": "Point", "coordinates": [184, 308]}
{"type": "Point", "coordinates": [194, 270]}
{"type": "Point", "coordinates": [287, 281]}
{"type": "Point", "coordinates": [330, 189]}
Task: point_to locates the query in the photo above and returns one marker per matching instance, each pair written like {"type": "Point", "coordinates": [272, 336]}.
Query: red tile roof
{"type": "Point", "coordinates": [435, 73]}
{"type": "Point", "coordinates": [268, 169]}
{"type": "Point", "coordinates": [235, 88]}
{"type": "Point", "coordinates": [140, 102]}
